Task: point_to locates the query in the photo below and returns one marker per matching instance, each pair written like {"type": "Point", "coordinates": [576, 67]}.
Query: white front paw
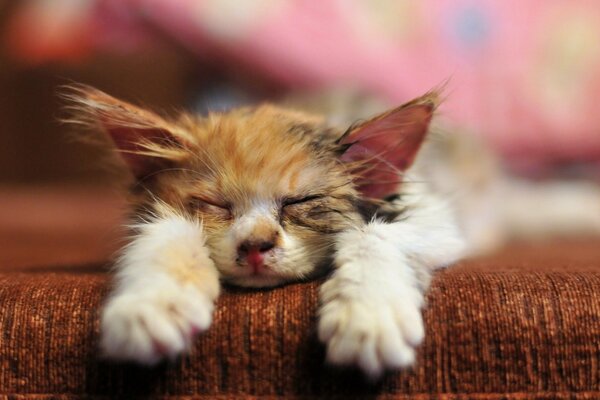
{"type": "Point", "coordinates": [150, 324]}
{"type": "Point", "coordinates": [375, 331]}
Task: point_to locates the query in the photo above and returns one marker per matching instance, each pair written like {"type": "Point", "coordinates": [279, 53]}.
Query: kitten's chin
{"type": "Point", "coordinates": [257, 281]}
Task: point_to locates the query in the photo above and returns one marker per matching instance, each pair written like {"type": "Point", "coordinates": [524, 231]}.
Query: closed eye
{"type": "Point", "coordinates": [298, 200]}
{"type": "Point", "coordinates": [210, 205]}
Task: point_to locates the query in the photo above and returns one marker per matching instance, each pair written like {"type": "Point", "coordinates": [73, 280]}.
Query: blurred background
{"type": "Point", "coordinates": [524, 76]}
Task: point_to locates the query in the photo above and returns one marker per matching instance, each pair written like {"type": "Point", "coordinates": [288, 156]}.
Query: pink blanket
{"type": "Point", "coordinates": [525, 74]}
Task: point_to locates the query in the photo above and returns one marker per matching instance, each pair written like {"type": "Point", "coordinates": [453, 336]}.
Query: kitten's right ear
{"type": "Point", "coordinates": [146, 142]}
{"type": "Point", "coordinates": [380, 149]}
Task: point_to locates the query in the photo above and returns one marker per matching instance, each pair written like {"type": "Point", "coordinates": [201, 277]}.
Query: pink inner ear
{"type": "Point", "coordinates": [127, 141]}
{"type": "Point", "coordinates": [386, 146]}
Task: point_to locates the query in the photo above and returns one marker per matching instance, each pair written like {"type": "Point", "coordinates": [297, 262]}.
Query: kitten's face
{"type": "Point", "coordinates": [271, 187]}
{"type": "Point", "coordinates": [270, 192]}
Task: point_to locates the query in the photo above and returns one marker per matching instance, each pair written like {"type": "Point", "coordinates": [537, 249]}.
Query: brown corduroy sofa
{"type": "Point", "coordinates": [523, 324]}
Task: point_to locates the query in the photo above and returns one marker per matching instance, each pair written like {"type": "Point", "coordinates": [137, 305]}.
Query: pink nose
{"type": "Point", "coordinates": [255, 253]}
{"type": "Point", "coordinates": [255, 259]}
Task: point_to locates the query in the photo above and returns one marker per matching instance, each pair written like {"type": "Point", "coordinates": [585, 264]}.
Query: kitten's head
{"type": "Point", "coordinates": [271, 187]}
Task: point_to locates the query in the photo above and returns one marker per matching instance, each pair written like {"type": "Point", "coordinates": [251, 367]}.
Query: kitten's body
{"type": "Point", "coordinates": [263, 196]}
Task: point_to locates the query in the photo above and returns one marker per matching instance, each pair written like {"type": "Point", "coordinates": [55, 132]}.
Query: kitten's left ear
{"type": "Point", "coordinates": [380, 149]}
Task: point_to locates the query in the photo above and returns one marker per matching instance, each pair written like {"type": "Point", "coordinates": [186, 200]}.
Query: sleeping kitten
{"type": "Point", "coordinates": [262, 196]}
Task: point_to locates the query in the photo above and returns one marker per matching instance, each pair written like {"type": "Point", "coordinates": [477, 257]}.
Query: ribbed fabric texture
{"type": "Point", "coordinates": [524, 324]}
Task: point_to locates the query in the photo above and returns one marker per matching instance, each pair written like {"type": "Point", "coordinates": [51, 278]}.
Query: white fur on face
{"type": "Point", "coordinates": [289, 260]}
